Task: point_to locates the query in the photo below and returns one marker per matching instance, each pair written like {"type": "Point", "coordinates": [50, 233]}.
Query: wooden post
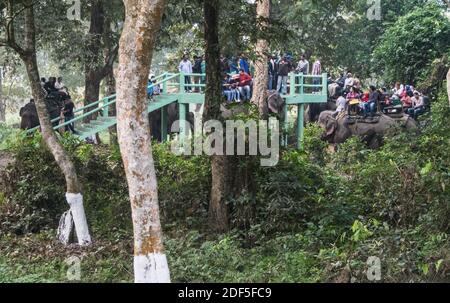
{"type": "Point", "coordinates": [164, 125]}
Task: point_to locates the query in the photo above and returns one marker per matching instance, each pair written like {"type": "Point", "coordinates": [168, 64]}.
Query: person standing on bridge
{"type": "Point", "coordinates": [284, 67]}
{"type": "Point", "coordinates": [68, 113]}
{"type": "Point", "coordinates": [197, 69]}
{"type": "Point", "coordinates": [317, 71]}
{"type": "Point", "coordinates": [243, 64]}
{"type": "Point", "coordinates": [303, 66]}
{"type": "Point", "coordinates": [186, 68]}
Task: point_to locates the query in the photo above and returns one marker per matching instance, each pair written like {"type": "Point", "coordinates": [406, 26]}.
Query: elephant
{"type": "Point", "coordinates": [275, 106]}
{"type": "Point", "coordinates": [173, 115]}
{"type": "Point", "coordinates": [339, 129]}
{"type": "Point", "coordinates": [29, 116]}
{"type": "Point", "coordinates": [313, 110]}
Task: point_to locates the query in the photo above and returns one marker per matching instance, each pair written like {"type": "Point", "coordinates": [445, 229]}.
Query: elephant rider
{"type": "Point", "coordinates": [418, 105]}
{"type": "Point", "coordinates": [353, 98]}
{"type": "Point", "coordinates": [370, 106]}
{"type": "Point", "coordinates": [348, 83]}
{"type": "Point", "coordinates": [406, 101]}
{"type": "Point", "coordinates": [341, 103]}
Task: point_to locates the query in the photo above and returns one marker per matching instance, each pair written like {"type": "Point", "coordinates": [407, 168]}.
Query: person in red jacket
{"type": "Point", "coordinates": [245, 82]}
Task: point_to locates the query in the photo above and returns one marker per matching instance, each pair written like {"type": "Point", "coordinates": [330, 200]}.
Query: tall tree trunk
{"type": "Point", "coordinates": [111, 90]}
{"type": "Point", "coordinates": [142, 22]}
{"type": "Point", "coordinates": [2, 102]}
{"type": "Point", "coordinates": [94, 62]}
{"type": "Point", "coordinates": [220, 165]}
{"type": "Point", "coordinates": [448, 86]}
{"type": "Point", "coordinates": [73, 192]}
{"type": "Point", "coordinates": [261, 70]}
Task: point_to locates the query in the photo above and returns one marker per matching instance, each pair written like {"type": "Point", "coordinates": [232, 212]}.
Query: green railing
{"type": "Point", "coordinates": [300, 92]}
{"type": "Point", "coordinates": [103, 108]}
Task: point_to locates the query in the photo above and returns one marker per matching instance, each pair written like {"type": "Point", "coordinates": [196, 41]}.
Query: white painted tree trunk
{"type": "Point", "coordinates": [79, 218]}
{"type": "Point", "coordinates": [28, 56]}
{"type": "Point", "coordinates": [142, 22]}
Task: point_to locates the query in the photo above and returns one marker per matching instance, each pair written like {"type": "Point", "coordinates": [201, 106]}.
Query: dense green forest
{"type": "Point", "coordinates": [340, 212]}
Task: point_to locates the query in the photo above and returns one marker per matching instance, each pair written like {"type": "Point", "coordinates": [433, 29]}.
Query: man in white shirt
{"type": "Point", "coordinates": [186, 68]}
{"type": "Point", "coordinates": [341, 103]}
{"type": "Point", "coordinates": [348, 81]}
{"type": "Point", "coordinates": [303, 66]}
{"type": "Point", "coordinates": [418, 106]}
{"type": "Point", "coordinates": [317, 71]}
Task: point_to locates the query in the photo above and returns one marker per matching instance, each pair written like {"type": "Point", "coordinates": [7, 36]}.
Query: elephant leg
{"type": "Point", "coordinates": [155, 125]}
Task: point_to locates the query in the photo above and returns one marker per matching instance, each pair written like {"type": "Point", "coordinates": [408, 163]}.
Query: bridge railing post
{"type": "Point", "coordinates": [164, 125]}
{"type": "Point", "coordinates": [301, 113]}
{"type": "Point", "coordinates": [182, 83]}
{"type": "Point", "coordinates": [324, 84]}
{"type": "Point", "coordinates": [165, 83]}
{"type": "Point", "coordinates": [182, 122]}
{"type": "Point", "coordinates": [105, 108]}
{"type": "Point", "coordinates": [292, 87]}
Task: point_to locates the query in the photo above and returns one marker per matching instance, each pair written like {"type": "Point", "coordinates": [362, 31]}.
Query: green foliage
{"type": "Point", "coordinates": [183, 185]}
{"type": "Point", "coordinates": [316, 216]}
{"type": "Point", "coordinates": [412, 43]}
{"type": "Point", "coordinates": [313, 145]}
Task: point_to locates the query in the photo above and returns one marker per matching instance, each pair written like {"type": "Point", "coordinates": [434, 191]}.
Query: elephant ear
{"type": "Point", "coordinates": [331, 126]}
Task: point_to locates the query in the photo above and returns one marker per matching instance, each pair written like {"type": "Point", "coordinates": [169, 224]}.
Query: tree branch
{"type": "Point", "coordinates": [110, 59]}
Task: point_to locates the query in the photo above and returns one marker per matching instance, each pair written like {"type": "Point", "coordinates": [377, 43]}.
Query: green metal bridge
{"type": "Point", "coordinates": [300, 92]}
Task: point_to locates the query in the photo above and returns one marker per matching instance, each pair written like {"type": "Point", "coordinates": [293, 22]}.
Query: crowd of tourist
{"type": "Point", "coordinates": [237, 74]}
{"type": "Point", "coordinates": [351, 98]}
{"type": "Point", "coordinates": [58, 101]}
